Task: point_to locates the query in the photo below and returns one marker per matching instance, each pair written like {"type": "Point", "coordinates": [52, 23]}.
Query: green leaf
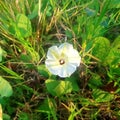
{"type": "Point", "coordinates": [95, 81]}
{"type": "Point", "coordinates": [34, 12]}
{"type": "Point", "coordinates": [85, 101]}
{"type": "Point", "coordinates": [44, 9]}
{"type": "Point", "coordinates": [116, 71]}
{"type": "Point", "coordinates": [114, 4]}
{"type": "Point", "coordinates": [74, 84]}
{"type": "Point", "coordinates": [24, 116]}
{"type": "Point", "coordinates": [101, 48]}
{"type": "Point", "coordinates": [68, 33]}
{"type": "Point", "coordinates": [102, 96]}
{"type": "Point", "coordinates": [42, 70]}
{"type": "Point", "coordinates": [116, 42]}
{"type": "Point", "coordinates": [58, 88]}
{"type": "Point", "coordinates": [25, 58]}
{"type": "Point", "coordinates": [3, 54]}
{"type": "Point", "coordinates": [113, 57]}
{"type": "Point", "coordinates": [23, 25]}
{"type": "Point", "coordinates": [5, 88]}
{"type": "Point", "coordinates": [6, 116]}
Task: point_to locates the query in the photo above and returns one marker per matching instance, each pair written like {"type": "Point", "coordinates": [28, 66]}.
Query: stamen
{"type": "Point", "coordinates": [62, 61]}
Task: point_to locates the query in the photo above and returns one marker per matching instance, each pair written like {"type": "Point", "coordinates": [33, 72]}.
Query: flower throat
{"type": "Point", "coordinates": [62, 61]}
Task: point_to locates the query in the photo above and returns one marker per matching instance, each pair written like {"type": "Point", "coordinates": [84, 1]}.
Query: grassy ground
{"type": "Point", "coordinates": [28, 28]}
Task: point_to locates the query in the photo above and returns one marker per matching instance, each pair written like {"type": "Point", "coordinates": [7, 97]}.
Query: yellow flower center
{"type": "Point", "coordinates": [62, 61]}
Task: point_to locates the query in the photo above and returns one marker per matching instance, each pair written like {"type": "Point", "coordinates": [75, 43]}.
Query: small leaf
{"type": "Point", "coordinates": [42, 70]}
{"type": "Point", "coordinates": [102, 96]}
{"type": "Point", "coordinates": [101, 48]}
{"type": "Point", "coordinates": [68, 33]}
{"type": "Point", "coordinates": [95, 81]}
{"type": "Point", "coordinates": [34, 12]}
{"type": "Point", "coordinates": [5, 88]}
{"type": "Point", "coordinates": [58, 88]}
{"type": "Point", "coordinates": [113, 57]}
{"type": "Point", "coordinates": [25, 58]}
{"type": "Point", "coordinates": [73, 81]}
{"type": "Point", "coordinates": [23, 25]}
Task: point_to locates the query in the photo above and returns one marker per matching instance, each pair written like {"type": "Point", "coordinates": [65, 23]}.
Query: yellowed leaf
{"type": "Point", "coordinates": [1, 112]}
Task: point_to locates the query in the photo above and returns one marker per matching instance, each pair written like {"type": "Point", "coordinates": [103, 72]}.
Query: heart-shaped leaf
{"type": "Point", "coordinates": [101, 48]}
{"type": "Point", "coordinates": [113, 57]}
{"type": "Point", "coordinates": [58, 88]}
{"type": "Point", "coordinates": [102, 96]}
{"type": "Point", "coordinates": [5, 88]}
{"type": "Point", "coordinates": [23, 25]}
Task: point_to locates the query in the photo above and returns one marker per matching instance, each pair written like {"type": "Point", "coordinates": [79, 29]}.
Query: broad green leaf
{"type": "Point", "coordinates": [102, 96]}
{"type": "Point", "coordinates": [74, 84]}
{"type": "Point", "coordinates": [5, 88]}
{"type": "Point", "coordinates": [42, 70]}
{"type": "Point", "coordinates": [101, 48]}
{"type": "Point", "coordinates": [58, 87]}
{"type": "Point", "coordinates": [23, 25]}
{"type": "Point", "coordinates": [113, 57]}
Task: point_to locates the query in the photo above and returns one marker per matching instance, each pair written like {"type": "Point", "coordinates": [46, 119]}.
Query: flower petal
{"type": "Point", "coordinates": [65, 48]}
{"type": "Point", "coordinates": [74, 57]}
{"type": "Point", "coordinates": [66, 52]}
{"type": "Point", "coordinates": [66, 70]}
{"type": "Point", "coordinates": [53, 52]}
{"type": "Point", "coordinates": [53, 67]}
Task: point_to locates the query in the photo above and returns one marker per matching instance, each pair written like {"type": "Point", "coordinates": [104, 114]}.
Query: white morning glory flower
{"type": "Point", "coordinates": [62, 60]}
